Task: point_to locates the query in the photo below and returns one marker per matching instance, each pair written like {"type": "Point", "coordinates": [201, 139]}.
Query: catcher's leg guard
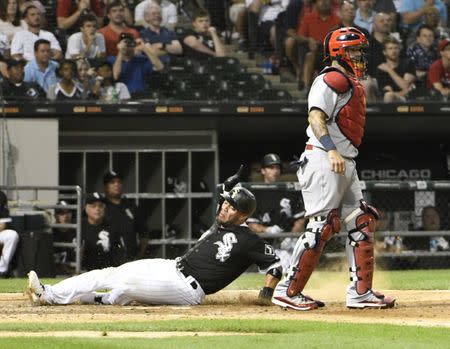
{"type": "Point", "coordinates": [360, 245]}
{"type": "Point", "coordinates": [308, 249]}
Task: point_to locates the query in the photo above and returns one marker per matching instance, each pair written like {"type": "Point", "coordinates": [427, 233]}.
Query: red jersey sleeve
{"type": "Point", "coordinates": [64, 8]}
{"type": "Point", "coordinates": [97, 8]}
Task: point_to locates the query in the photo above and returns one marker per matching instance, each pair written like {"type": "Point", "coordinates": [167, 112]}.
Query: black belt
{"type": "Point", "coordinates": [193, 283]}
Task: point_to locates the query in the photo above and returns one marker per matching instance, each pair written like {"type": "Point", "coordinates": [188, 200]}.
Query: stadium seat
{"type": "Point", "coordinates": [181, 65]}
{"type": "Point", "coordinates": [249, 81]}
{"type": "Point", "coordinates": [225, 65]}
{"type": "Point", "coordinates": [274, 95]}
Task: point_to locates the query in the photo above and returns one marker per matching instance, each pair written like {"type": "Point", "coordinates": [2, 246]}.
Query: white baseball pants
{"type": "Point", "coordinates": [9, 239]}
{"type": "Point", "coordinates": [149, 281]}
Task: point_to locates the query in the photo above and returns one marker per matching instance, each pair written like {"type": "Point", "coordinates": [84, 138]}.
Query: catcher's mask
{"type": "Point", "coordinates": [336, 47]}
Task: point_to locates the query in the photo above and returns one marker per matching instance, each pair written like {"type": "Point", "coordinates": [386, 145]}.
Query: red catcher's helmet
{"type": "Point", "coordinates": [335, 46]}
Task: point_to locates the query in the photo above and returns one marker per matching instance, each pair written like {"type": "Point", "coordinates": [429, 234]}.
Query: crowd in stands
{"type": "Point", "coordinates": [113, 50]}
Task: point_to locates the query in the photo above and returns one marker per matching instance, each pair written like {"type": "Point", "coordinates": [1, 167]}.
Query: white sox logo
{"type": "Point", "coordinates": [225, 246]}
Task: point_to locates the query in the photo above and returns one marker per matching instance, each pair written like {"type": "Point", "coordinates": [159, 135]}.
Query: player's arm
{"type": "Point", "coordinates": [317, 120]}
{"type": "Point", "coordinates": [261, 228]}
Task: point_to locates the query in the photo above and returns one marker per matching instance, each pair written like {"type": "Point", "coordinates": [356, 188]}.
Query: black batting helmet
{"type": "Point", "coordinates": [270, 160]}
{"type": "Point", "coordinates": [241, 199]}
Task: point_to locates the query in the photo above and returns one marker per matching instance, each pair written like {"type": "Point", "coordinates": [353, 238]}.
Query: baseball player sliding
{"type": "Point", "coordinates": [222, 254]}
{"type": "Point", "coordinates": [329, 181]}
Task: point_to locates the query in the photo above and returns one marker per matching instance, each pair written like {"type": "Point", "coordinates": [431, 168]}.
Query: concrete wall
{"type": "Point", "coordinates": [29, 150]}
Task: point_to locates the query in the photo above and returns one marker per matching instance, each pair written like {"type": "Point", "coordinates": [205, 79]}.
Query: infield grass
{"type": "Point", "coordinates": [262, 334]}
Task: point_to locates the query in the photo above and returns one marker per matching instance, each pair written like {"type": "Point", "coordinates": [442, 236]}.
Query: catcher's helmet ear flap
{"type": "Point", "coordinates": [241, 199]}
{"type": "Point", "coordinates": [326, 49]}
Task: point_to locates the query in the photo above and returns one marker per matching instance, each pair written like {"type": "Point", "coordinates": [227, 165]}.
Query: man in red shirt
{"type": "Point", "coordinates": [68, 12]}
{"type": "Point", "coordinates": [116, 15]}
{"type": "Point", "coordinates": [439, 72]}
{"type": "Point", "coordinates": [312, 31]}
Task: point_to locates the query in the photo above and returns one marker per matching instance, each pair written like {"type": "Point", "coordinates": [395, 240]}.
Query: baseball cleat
{"type": "Point", "coordinates": [371, 299]}
{"type": "Point", "coordinates": [298, 302]}
{"type": "Point", "coordinates": [35, 290]}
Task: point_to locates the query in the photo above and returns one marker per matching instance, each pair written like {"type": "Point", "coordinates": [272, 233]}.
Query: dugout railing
{"type": "Point", "coordinates": [401, 203]}
{"type": "Point", "coordinates": [32, 203]}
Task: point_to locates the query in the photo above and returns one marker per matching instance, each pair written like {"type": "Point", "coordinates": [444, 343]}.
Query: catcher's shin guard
{"type": "Point", "coordinates": [360, 245]}
{"type": "Point", "coordinates": [308, 249]}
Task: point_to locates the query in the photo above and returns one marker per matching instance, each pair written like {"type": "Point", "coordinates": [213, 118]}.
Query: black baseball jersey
{"type": "Point", "coordinates": [101, 245]}
{"type": "Point", "coordinates": [219, 258]}
{"type": "Point", "coordinates": [129, 222]}
{"type": "Point", "coordinates": [277, 207]}
{"type": "Point", "coordinates": [63, 255]}
{"type": "Point", "coordinates": [204, 39]}
{"type": "Point", "coordinates": [5, 218]}
{"type": "Point", "coordinates": [22, 91]}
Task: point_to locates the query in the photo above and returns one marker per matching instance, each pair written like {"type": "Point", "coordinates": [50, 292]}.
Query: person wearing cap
{"type": "Point", "coordinates": [8, 238]}
{"type": "Point", "coordinates": [220, 256]}
{"type": "Point", "coordinates": [135, 63]}
{"type": "Point", "coordinates": [125, 215]}
{"type": "Point", "coordinates": [278, 211]}
{"type": "Point", "coordinates": [14, 88]}
{"type": "Point", "coordinates": [101, 243]}
{"type": "Point", "coordinates": [115, 12]}
{"type": "Point", "coordinates": [64, 256]}
{"type": "Point", "coordinates": [439, 72]}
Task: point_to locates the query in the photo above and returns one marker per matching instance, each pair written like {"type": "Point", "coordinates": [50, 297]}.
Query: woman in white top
{"type": "Point", "coordinates": [10, 22]}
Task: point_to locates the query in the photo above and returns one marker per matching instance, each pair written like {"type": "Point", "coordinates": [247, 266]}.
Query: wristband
{"type": "Point", "coordinates": [327, 142]}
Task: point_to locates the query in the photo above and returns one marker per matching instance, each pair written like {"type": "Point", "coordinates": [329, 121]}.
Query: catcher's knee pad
{"type": "Point", "coordinates": [359, 247]}
{"type": "Point", "coordinates": [308, 249]}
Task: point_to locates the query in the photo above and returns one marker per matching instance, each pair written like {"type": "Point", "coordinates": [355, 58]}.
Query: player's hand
{"type": "Point", "coordinates": [337, 162]}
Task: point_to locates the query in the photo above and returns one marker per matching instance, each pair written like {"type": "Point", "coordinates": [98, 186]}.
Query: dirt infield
{"type": "Point", "coordinates": [422, 308]}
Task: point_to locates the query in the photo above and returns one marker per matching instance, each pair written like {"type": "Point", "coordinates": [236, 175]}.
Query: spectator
{"type": "Point", "coordinates": [169, 17]}
{"type": "Point", "coordinates": [10, 22]}
{"type": "Point", "coordinates": [131, 67]}
{"type": "Point", "coordinates": [431, 221]}
{"type": "Point", "coordinates": [128, 8]}
{"type": "Point", "coordinates": [202, 41]}
{"type": "Point", "coordinates": [432, 19]}
{"type": "Point", "coordinates": [22, 45]}
{"type": "Point", "coordinates": [116, 15]}
{"type": "Point", "coordinates": [422, 54]}
{"type": "Point", "coordinates": [381, 30]}
{"type": "Point", "coordinates": [395, 79]}
{"type": "Point", "coordinates": [162, 38]}
{"type": "Point", "coordinates": [294, 12]}
{"type": "Point", "coordinates": [412, 12]}
{"type": "Point", "coordinates": [85, 76]}
{"type": "Point", "coordinates": [8, 237]}
{"type": "Point", "coordinates": [64, 256]}
{"type": "Point", "coordinates": [365, 14]}
{"type": "Point", "coordinates": [24, 4]}
{"type": "Point", "coordinates": [313, 30]}
{"type": "Point", "coordinates": [67, 87]}
{"type": "Point", "coordinates": [267, 12]}
{"type": "Point", "coordinates": [69, 12]}
{"type": "Point", "coordinates": [126, 215]}
{"type": "Point", "coordinates": [438, 78]}
{"type": "Point", "coordinates": [388, 7]}
{"type": "Point", "coordinates": [14, 88]}
{"type": "Point", "coordinates": [101, 243]}
{"type": "Point", "coordinates": [237, 13]}
{"type": "Point", "coordinates": [347, 14]}
{"type": "Point", "coordinates": [87, 43]}
{"type": "Point", "coordinates": [41, 70]}
{"type": "Point", "coordinates": [105, 88]}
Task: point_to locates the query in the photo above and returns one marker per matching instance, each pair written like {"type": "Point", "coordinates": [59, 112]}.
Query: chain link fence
{"type": "Point", "coordinates": [413, 231]}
